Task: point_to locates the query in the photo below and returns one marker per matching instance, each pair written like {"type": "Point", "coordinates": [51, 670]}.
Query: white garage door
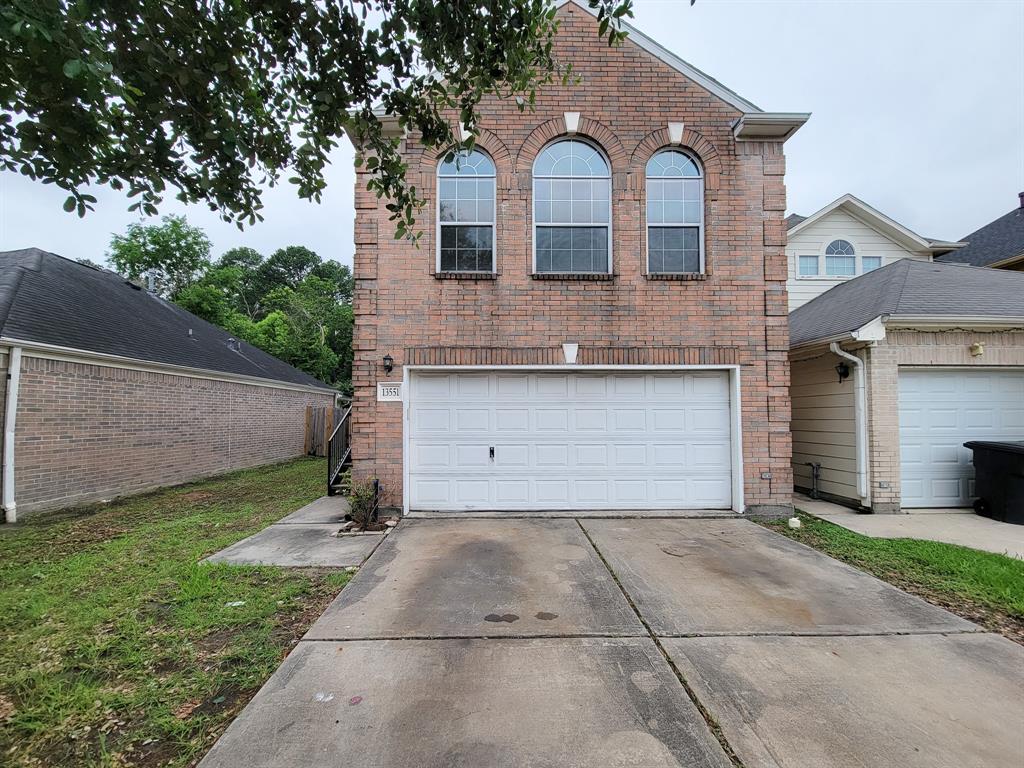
{"type": "Point", "coordinates": [940, 410]}
{"type": "Point", "coordinates": [534, 441]}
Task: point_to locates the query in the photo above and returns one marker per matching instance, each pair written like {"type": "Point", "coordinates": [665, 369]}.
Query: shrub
{"type": "Point", "coordinates": [362, 498]}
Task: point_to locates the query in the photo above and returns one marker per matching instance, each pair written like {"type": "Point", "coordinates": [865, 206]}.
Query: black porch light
{"type": "Point", "coordinates": [389, 363]}
{"type": "Point", "coordinates": [844, 372]}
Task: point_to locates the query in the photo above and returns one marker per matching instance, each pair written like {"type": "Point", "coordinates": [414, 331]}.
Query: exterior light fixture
{"type": "Point", "coordinates": [389, 363]}
{"type": "Point", "coordinates": [844, 372]}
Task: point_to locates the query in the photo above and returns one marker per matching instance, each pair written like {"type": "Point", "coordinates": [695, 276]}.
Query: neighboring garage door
{"type": "Point", "coordinates": [535, 441]}
{"type": "Point", "coordinates": [940, 410]}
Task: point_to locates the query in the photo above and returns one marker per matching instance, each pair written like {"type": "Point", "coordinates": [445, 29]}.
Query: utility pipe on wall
{"type": "Point", "coordinates": [860, 408]}
{"type": "Point", "coordinates": [10, 414]}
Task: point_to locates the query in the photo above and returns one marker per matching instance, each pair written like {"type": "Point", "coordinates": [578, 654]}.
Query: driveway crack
{"type": "Point", "coordinates": [709, 719]}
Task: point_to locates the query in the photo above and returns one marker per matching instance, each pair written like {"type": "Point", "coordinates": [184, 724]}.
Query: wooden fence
{"type": "Point", "coordinates": [320, 423]}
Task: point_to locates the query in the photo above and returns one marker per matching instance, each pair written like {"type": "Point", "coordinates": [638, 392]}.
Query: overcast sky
{"type": "Point", "coordinates": [918, 109]}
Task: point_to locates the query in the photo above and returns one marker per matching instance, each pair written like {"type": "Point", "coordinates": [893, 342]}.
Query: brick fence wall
{"type": "Point", "coordinates": [737, 312]}
{"type": "Point", "coordinates": [89, 432]}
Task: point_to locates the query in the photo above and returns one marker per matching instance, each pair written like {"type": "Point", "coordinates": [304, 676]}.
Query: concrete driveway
{"type": "Point", "coordinates": [552, 643]}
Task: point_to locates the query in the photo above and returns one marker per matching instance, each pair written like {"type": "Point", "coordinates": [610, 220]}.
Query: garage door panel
{"type": "Point", "coordinates": [472, 420]}
{"type": "Point", "coordinates": [554, 387]}
{"type": "Point", "coordinates": [512, 420]}
{"type": "Point", "coordinates": [591, 419]}
{"type": "Point", "coordinates": [941, 409]}
{"type": "Point", "coordinates": [515, 386]}
{"type": "Point", "coordinates": [668, 419]}
{"type": "Point", "coordinates": [589, 447]}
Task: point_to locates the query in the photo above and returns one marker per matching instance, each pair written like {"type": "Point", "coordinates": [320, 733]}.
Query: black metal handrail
{"type": "Point", "coordinates": [339, 450]}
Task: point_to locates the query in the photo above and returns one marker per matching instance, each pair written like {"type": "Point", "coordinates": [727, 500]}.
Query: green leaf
{"type": "Point", "coordinates": [72, 68]}
{"type": "Point", "coordinates": [70, 203]}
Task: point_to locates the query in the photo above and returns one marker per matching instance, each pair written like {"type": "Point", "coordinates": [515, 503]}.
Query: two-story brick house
{"type": "Point", "coordinates": [596, 315]}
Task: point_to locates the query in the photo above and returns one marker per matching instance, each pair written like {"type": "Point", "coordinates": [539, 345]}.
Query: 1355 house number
{"type": "Point", "coordinates": [389, 391]}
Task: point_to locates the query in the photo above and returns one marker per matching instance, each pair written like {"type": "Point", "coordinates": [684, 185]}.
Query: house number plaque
{"type": "Point", "coordinates": [389, 391]}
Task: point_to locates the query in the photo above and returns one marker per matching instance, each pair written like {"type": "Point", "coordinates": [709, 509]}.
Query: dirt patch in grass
{"type": "Point", "coordinates": [983, 587]}
{"type": "Point", "coordinates": [120, 648]}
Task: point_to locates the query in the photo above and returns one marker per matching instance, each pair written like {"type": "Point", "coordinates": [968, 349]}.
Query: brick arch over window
{"type": "Point", "coordinates": [491, 145]}
{"type": "Point", "coordinates": [600, 134]}
{"type": "Point", "coordinates": [693, 142]}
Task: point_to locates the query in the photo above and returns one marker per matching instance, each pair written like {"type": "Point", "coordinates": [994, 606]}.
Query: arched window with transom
{"type": "Point", "coordinates": [571, 209]}
{"type": "Point", "coordinates": [675, 214]}
{"type": "Point", "coordinates": [840, 259]}
{"type": "Point", "coordinates": [465, 213]}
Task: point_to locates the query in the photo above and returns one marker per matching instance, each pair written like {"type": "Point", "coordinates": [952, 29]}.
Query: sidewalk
{"type": "Point", "coordinates": [952, 526]}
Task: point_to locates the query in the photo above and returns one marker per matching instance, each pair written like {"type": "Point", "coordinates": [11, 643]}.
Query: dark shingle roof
{"type": "Point", "coordinates": [793, 219]}
{"type": "Point", "coordinates": [909, 287]}
{"type": "Point", "coordinates": [48, 299]}
{"type": "Point", "coordinates": [1002, 239]}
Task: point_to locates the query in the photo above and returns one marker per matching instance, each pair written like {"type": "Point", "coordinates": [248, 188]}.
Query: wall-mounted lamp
{"type": "Point", "coordinates": [389, 363]}
{"type": "Point", "coordinates": [844, 372]}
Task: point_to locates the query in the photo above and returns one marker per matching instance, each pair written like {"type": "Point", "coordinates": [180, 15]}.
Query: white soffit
{"type": "Point", "coordinates": [768, 126]}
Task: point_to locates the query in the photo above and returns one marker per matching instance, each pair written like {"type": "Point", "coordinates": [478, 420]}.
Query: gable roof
{"type": "Point", "coordinates": [1001, 240]}
{"type": "Point", "coordinates": [47, 299]}
{"type": "Point", "coordinates": [875, 219]}
{"type": "Point", "coordinates": [909, 288]}
{"type": "Point", "coordinates": [754, 123]}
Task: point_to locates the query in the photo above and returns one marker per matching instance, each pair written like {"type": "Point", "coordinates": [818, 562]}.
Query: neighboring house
{"type": "Point", "coordinates": [932, 355]}
{"type": "Point", "coordinates": [110, 390]}
{"type": "Point", "coordinates": [844, 239]}
{"type": "Point", "coordinates": [595, 316]}
{"type": "Point", "coordinates": [999, 244]}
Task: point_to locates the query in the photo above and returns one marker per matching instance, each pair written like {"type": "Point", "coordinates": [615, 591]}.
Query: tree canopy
{"type": "Point", "coordinates": [216, 99]}
{"type": "Point", "coordinates": [292, 304]}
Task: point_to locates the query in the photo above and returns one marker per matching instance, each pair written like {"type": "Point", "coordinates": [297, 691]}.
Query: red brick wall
{"type": "Point", "coordinates": [737, 314]}
{"type": "Point", "coordinates": [89, 432]}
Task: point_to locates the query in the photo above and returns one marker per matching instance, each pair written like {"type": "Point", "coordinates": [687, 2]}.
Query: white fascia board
{"type": "Point", "coordinates": [1005, 262]}
{"type": "Point", "coordinates": [55, 352]}
{"type": "Point", "coordinates": [768, 126]}
{"type": "Point", "coordinates": [942, 246]}
{"type": "Point", "coordinates": [872, 330]}
{"type": "Point", "coordinates": [967, 322]}
{"type": "Point", "coordinates": [798, 350]}
{"type": "Point", "coordinates": [657, 50]}
{"type": "Point", "coordinates": [869, 216]}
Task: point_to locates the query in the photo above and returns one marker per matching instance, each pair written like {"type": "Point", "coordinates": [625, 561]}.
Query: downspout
{"type": "Point", "coordinates": [860, 408]}
{"type": "Point", "coordinates": [10, 414]}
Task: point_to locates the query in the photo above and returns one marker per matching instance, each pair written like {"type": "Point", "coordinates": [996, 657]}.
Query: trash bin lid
{"type": "Point", "coordinates": [992, 445]}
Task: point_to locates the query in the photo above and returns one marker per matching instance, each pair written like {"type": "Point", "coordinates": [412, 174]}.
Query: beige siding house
{"type": "Point", "coordinates": [893, 371]}
{"type": "Point", "coordinates": [824, 428]}
{"type": "Point", "coordinates": [844, 239]}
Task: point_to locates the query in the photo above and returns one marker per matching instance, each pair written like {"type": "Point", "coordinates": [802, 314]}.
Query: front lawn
{"type": "Point", "coordinates": [118, 648]}
{"type": "Point", "coordinates": [981, 586]}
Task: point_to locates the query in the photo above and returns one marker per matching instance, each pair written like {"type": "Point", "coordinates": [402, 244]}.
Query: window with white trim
{"type": "Point", "coordinates": [808, 266]}
{"type": "Point", "coordinates": [675, 213]}
{"type": "Point", "coordinates": [465, 213]}
{"type": "Point", "coordinates": [571, 209]}
{"type": "Point", "coordinates": [840, 259]}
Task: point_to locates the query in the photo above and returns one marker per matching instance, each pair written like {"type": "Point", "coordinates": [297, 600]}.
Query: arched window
{"type": "Point", "coordinates": [675, 213]}
{"type": "Point", "coordinates": [465, 208]}
{"type": "Point", "coordinates": [840, 259]}
{"type": "Point", "coordinates": [571, 209]}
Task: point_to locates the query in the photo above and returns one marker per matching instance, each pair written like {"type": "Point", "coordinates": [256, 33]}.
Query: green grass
{"type": "Point", "coordinates": [982, 586]}
{"type": "Point", "coordinates": [118, 648]}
